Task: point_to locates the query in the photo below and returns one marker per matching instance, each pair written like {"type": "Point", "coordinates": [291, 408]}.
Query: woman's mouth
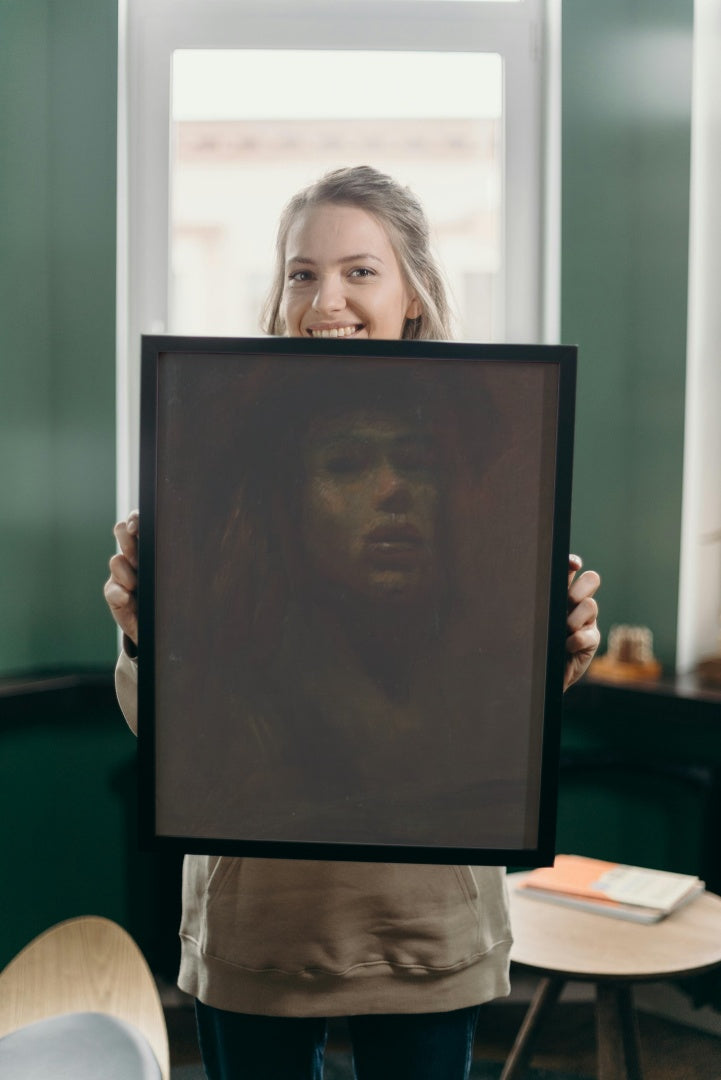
{"type": "Point", "coordinates": [335, 331]}
{"type": "Point", "coordinates": [394, 545]}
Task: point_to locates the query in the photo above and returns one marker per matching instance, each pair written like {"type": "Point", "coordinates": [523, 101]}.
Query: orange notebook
{"type": "Point", "coordinates": [631, 892]}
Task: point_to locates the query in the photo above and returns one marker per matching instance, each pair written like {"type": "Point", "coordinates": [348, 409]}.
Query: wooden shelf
{"type": "Point", "coordinates": [682, 697]}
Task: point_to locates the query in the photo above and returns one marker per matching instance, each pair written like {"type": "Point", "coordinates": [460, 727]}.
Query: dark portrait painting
{"type": "Point", "coordinates": [352, 597]}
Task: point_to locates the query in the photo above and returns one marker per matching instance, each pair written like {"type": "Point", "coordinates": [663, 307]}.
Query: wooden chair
{"type": "Point", "coordinates": [563, 944]}
{"type": "Point", "coordinates": [89, 971]}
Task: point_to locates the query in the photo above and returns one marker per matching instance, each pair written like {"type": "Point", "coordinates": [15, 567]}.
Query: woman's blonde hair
{"type": "Point", "coordinates": [403, 217]}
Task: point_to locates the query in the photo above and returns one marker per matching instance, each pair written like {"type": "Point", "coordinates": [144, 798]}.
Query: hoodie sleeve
{"type": "Point", "coordinates": [126, 688]}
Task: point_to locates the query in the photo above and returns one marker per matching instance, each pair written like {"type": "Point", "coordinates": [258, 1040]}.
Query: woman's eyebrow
{"type": "Point", "coordinates": [361, 257]}
{"type": "Point", "coordinates": [425, 438]}
{"type": "Point", "coordinates": [334, 439]}
{"type": "Point", "coordinates": [341, 439]}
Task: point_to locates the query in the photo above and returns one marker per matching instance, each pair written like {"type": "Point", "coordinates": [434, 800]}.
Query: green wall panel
{"type": "Point", "coordinates": [626, 145]}
{"type": "Point", "coordinates": [58, 80]}
{"type": "Point", "coordinates": [69, 802]}
{"type": "Point", "coordinates": [641, 781]}
{"type": "Point", "coordinates": [68, 845]}
{"type": "Point", "coordinates": [26, 490]}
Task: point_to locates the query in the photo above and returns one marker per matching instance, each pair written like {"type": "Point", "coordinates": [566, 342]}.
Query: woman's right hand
{"type": "Point", "coordinates": [122, 585]}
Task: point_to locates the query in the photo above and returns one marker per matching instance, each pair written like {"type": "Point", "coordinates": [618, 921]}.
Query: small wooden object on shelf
{"type": "Point", "coordinates": [709, 671]}
{"type": "Point", "coordinates": [629, 657]}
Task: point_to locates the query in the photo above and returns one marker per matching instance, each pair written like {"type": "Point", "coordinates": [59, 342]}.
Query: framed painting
{"type": "Point", "coordinates": [352, 597]}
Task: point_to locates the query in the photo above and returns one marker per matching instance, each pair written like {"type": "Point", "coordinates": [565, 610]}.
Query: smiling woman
{"type": "Point", "coordinates": [330, 725]}
{"type": "Point", "coordinates": [353, 259]}
{"type": "Point", "coordinates": [343, 277]}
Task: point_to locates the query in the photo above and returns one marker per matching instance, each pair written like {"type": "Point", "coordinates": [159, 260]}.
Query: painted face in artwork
{"type": "Point", "coordinates": [370, 506]}
{"type": "Point", "coordinates": [342, 277]}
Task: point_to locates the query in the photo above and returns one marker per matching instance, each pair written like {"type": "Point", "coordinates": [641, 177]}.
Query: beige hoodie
{"type": "Point", "coordinates": [285, 937]}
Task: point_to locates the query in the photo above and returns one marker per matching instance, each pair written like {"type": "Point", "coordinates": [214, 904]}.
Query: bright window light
{"type": "Point", "coordinates": [220, 84]}
{"type": "Point", "coordinates": [238, 154]}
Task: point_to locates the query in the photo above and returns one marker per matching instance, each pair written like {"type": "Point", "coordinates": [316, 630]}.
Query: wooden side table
{"type": "Point", "coordinates": [563, 944]}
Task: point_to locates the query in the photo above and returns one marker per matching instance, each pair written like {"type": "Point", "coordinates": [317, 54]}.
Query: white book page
{"type": "Point", "coordinates": [652, 888]}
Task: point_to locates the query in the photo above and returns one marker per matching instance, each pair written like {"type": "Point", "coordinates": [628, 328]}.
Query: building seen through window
{"type": "Point", "coordinates": [232, 174]}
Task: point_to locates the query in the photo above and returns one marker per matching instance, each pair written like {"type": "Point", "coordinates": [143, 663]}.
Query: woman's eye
{"type": "Point", "coordinates": [300, 276]}
{"type": "Point", "coordinates": [362, 272]}
{"type": "Point", "coordinates": [345, 464]}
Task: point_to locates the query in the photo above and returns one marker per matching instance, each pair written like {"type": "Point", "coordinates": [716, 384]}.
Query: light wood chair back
{"type": "Point", "coordinates": [87, 964]}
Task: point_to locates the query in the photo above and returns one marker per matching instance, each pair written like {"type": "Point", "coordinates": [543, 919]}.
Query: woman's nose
{"type": "Point", "coordinates": [329, 296]}
{"type": "Point", "coordinates": [391, 490]}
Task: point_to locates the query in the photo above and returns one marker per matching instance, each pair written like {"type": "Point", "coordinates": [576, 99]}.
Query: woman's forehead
{"type": "Point", "coordinates": [333, 231]}
{"type": "Point", "coordinates": [367, 425]}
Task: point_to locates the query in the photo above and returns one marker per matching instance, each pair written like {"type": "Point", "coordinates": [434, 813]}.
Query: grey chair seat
{"type": "Point", "coordinates": [78, 1046]}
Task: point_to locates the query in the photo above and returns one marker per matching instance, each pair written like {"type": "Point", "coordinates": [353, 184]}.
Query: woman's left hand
{"type": "Point", "coordinates": [583, 636]}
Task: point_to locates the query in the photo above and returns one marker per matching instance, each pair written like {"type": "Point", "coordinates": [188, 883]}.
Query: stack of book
{"type": "Point", "coordinates": [608, 888]}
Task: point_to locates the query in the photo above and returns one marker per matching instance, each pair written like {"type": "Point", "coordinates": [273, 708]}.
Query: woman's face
{"type": "Point", "coordinates": [370, 506]}
{"type": "Point", "coordinates": [342, 277]}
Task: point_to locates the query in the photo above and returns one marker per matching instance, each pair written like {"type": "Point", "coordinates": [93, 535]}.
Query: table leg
{"type": "Point", "coordinates": [617, 1033]}
{"type": "Point", "coordinates": [545, 997]}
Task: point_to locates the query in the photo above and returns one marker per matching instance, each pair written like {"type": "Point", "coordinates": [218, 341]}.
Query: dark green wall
{"type": "Point", "coordinates": [641, 778]}
{"type": "Point", "coordinates": [68, 807]}
{"type": "Point", "coordinates": [66, 772]}
{"type": "Point", "coordinates": [625, 202]}
{"type": "Point", "coordinates": [58, 72]}
{"type": "Point", "coordinates": [66, 761]}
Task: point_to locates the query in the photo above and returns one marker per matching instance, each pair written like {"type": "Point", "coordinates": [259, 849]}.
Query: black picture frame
{"type": "Point", "coordinates": [314, 684]}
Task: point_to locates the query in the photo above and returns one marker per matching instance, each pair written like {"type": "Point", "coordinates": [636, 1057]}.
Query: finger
{"type": "Point", "coordinates": [576, 666]}
{"type": "Point", "coordinates": [583, 641]}
{"type": "Point", "coordinates": [119, 599]}
{"type": "Point", "coordinates": [585, 585]}
{"type": "Point", "coordinates": [123, 572]}
{"type": "Point", "coordinates": [123, 608]}
{"type": "Point", "coordinates": [126, 534]}
{"type": "Point", "coordinates": [575, 562]}
{"type": "Point", "coordinates": [582, 614]}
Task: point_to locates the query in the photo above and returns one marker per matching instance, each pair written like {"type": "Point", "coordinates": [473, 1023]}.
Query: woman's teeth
{"type": "Point", "coordinates": [337, 331]}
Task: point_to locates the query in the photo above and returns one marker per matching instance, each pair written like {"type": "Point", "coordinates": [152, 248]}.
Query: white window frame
{"type": "Point", "coordinates": [526, 34]}
{"type": "Point", "coordinates": [699, 597]}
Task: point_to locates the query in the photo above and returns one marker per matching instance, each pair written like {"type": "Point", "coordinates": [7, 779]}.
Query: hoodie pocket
{"type": "Point", "coordinates": [468, 884]}
{"type": "Point", "coordinates": [295, 916]}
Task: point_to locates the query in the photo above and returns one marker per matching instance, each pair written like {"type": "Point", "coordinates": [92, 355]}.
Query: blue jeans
{"type": "Point", "coordinates": [416, 1046]}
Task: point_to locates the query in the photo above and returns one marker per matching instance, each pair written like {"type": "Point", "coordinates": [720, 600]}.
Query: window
{"type": "Point", "coordinates": [227, 107]}
{"type": "Point", "coordinates": [236, 161]}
